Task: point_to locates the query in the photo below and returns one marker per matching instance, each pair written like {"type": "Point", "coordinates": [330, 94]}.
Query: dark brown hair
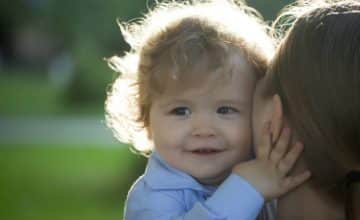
{"type": "Point", "coordinates": [316, 72]}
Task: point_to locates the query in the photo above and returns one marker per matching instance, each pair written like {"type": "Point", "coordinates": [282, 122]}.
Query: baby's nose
{"type": "Point", "coordinates": [203, 126]}
{"type": "Point", "coordinates": [203, 132]}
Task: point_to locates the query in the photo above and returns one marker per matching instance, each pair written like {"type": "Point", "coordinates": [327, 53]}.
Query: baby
{"type": "Point", "coordinates": [184, 97]}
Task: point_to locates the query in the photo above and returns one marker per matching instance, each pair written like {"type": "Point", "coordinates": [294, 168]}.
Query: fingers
{"type": "Point", "coordinates": [264, 148]}
{"type": "Point", "coordinates": [280, 148]}
{"type": "Point", "coordinates": [284, 166]}
{"type": "Point", "coordinates": [292, 182]}
{"type": "Point", "coordinates": [289, 160]}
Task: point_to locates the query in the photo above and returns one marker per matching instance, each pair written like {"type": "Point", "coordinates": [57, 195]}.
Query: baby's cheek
{"type": "Point", "coordinates": [242, 133]}
{"type": "Point", "coordinates": [244, 146]}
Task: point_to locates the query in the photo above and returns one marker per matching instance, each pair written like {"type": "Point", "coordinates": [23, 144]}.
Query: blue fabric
{"type": "Point", "coordinates": [165, 193]}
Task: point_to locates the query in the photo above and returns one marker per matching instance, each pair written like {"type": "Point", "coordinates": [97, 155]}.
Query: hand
{"type": "Point", "coordinates": [268, 173]}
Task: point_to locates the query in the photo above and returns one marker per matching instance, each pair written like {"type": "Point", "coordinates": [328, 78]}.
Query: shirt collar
{"type": "Point", "coordinates": [160, 175]}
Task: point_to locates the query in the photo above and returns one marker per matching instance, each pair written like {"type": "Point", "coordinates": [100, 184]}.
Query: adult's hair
{"type": "Point", "coordinates": [316, 72]}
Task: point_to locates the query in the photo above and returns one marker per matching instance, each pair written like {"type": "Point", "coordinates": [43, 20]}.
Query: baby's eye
{"type": "Point", "coordinates": [181, 111]}
{"type": "Point", "coordinates": [226, 110]}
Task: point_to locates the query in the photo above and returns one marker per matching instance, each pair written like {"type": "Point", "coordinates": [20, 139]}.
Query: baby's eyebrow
{"type": "Point", "coordinates": [244, 103]}
{"type": "Point", "coordinates": [174, 102]}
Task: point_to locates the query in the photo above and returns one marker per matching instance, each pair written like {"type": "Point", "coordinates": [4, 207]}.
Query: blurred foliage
{"type": "Point", "coordinates": [24, 94]}
{"type": "Point", "coordinates": [85, 29]}
{"type": "Point", "coordinates": [91, 78]}
{"type": "Point", "coordinates": [61, 181]}
{"type": "Point", "coordinates": [65, 182]}
{"type": "Point", "coordinates": [92, 35]}
{"type": "Point", "coordinates": [269, 9]}
{"type": "Point", "coordinates": [30, 94]}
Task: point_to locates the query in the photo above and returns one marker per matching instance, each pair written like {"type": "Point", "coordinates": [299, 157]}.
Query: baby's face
{"type": "Point", "coordinates": [206, 130]}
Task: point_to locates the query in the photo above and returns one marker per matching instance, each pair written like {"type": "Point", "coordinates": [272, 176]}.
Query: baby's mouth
{"type": "Point", "coordinates": [206, 151]}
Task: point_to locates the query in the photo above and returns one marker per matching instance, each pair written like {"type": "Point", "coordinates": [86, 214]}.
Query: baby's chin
{"type": "Point", "coordinates": [213, 180]}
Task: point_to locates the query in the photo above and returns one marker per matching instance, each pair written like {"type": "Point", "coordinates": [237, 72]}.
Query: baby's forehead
{"type": "Point", "coordinates": [207, 96]}
{"type": "Point", "coordinates": [239, 79]}
{"type": "Point", "coordinates": [205, 71]}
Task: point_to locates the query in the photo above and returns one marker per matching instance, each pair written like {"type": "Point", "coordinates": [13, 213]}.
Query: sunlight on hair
{"type": "Point", "coordinates": [289, 14]}
{"type": "Point", "coordinates": [122, 115]}
{"type": "Point", "coordinates": [231, 22]}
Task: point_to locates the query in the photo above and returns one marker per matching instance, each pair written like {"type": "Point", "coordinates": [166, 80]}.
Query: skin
{"type": "Point", "coordinates": [276, 151]}
{"type": "Point", "coordinates": [205, 130]}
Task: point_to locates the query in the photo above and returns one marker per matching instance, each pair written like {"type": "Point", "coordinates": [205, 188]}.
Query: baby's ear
{"type": "Point", "coordinates": [277, 118]}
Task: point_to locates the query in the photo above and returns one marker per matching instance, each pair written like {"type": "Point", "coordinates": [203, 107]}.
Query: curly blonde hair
{"type": "Point", "coordinates": [174, 41]}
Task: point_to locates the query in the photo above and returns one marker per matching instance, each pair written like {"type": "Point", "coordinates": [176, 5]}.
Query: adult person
{"type": "Point", "coordinates": [316, 76]}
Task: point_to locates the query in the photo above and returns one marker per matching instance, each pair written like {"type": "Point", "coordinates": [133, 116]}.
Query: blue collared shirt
{"type": "Point", "coordinates": [165, 193]}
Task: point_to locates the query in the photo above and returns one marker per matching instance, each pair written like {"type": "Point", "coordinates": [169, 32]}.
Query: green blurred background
{"type": "Point", "coordinates": [57, 158]}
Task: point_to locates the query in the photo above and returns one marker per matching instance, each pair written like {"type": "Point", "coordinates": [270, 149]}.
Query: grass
{"type": "Point", "coordinates": [23, 95]}
{"type": "Point", "coordinates": [30, 94]}
{"type": "Point", "coordinates": [62, 182]}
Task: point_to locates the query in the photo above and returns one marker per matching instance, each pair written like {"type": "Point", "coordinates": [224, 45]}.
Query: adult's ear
{"type": "Point", "coordinates": [277, 117]}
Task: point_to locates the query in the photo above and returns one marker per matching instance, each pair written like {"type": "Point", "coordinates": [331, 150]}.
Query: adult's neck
{"type": "Point", "coordinates": [306, 203]}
